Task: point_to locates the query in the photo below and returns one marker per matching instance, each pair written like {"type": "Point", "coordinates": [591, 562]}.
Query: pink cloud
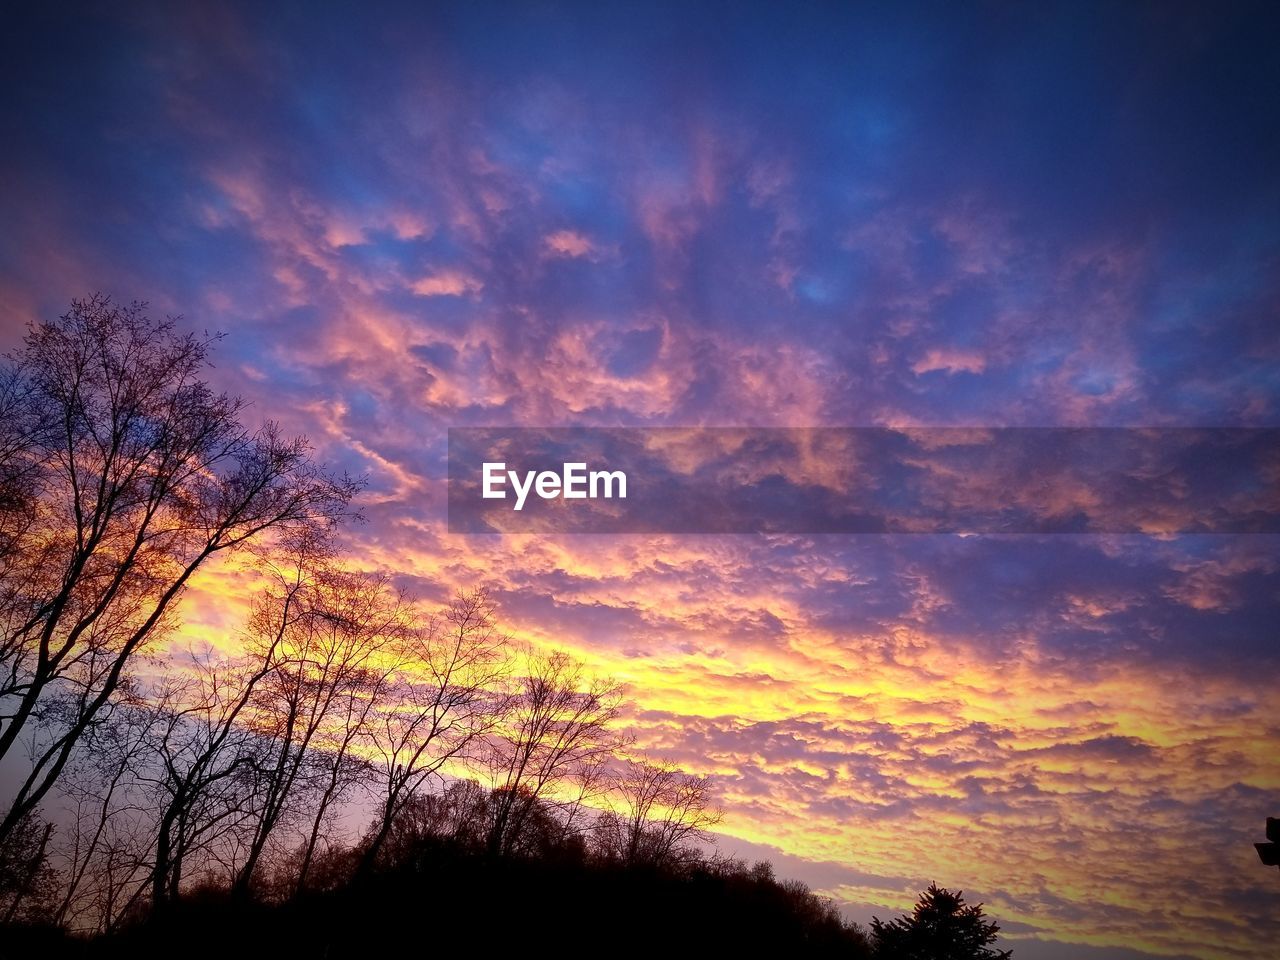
{"type": "Point", "coordinates": [949, 360]}
{"type": "Point", "coordinates": [446, 283]}
{"type": "Point", "coordinates": [569, 243]}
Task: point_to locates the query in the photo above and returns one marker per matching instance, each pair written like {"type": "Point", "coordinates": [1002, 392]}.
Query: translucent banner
{"type": "Point", "coordinates": [863, 480]}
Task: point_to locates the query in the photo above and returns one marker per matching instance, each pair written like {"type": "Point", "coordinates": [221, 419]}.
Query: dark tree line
{"type": "Point", "coordinates": [152, 775]}
{"type": "Point", "coordinates": [236, 770]}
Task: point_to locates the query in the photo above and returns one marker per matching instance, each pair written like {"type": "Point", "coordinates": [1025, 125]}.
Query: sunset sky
{"type": "Point", "coordinates": [791, 215]}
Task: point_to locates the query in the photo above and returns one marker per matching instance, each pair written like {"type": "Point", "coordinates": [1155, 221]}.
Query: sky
{"type": "Point", "coordinates": [426, 216]}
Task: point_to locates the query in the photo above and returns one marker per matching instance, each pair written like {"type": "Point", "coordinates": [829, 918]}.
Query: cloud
{"type": "Point", "coordinates": [446, 283]}
{"type": "Point", "coordinates": [569, 243]}
{"type": "Point", "coordinates": [949, 360]}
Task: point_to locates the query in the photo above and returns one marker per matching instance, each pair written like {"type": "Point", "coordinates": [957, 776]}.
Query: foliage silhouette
{"type": "Point", "coordinates": [437, 887]}
{"type": "Point", "coordinates": [941, 927]}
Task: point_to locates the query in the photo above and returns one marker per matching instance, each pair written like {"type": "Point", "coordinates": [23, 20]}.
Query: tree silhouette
{"type": "Point", "coordinates": [661, 815]}
{"type": "Point", "coordinates": [356, 617]}
{"type": "Point", "coordinates": [27, 882]}
{"type": "Point", "coordinates": [442, 699]}
{"type": "Point", "coordinates": [555, 738]}
{"type": "Point", "coordinates": [319, 632]}
{"type": "Point", "coordinates": [941, 927]}
{"type": "Point", "coordinates": [105, 849]}
{"type": "Point", "coordinates": [121, 473]}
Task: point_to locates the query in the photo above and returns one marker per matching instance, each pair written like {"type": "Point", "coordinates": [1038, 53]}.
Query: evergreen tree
{"type": "Point", "coordinates": [941, 927]}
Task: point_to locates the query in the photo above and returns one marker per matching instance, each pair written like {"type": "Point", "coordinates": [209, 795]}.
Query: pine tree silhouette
{"type": "Point", "coordinates": [941, 927]}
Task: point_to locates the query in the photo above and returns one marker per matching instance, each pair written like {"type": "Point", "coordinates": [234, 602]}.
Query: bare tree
{"type": "Point", "coordinates": [442, 698]}
{"type": "Point", "coordinates": [661, 814]}
{"type": "Point", "coordinates": [551, 745]}
{"type": "Point", "coordinates": [107, 852]}
{"type": "Point", "coordinates": [18, 471]}
{"type": "Point", "coordinates": [230, 740]}
{"type": "Point", "coordinates": [132, 473]}
{"type": "Point", "coordinates": [316, 700]}
{"type": "Point", "coordinates": [370, 618]}
{"type": "Point", "coordinates": [206, 768]}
